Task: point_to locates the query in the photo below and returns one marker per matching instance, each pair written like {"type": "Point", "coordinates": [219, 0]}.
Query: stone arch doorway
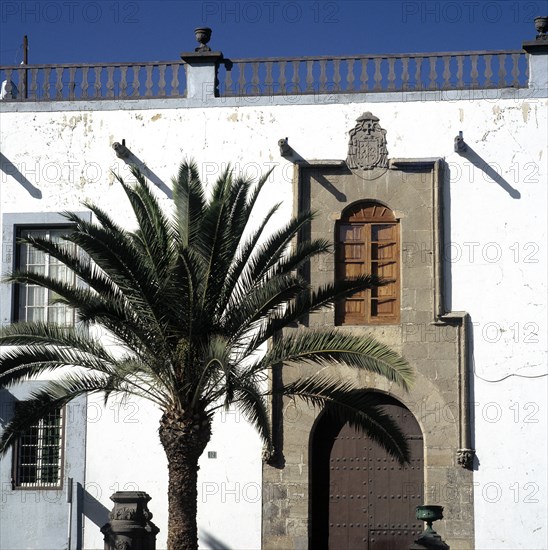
{"type": "Point", "coordinates": [361, 498]}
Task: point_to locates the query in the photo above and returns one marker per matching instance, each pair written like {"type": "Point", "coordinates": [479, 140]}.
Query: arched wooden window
{"type": "Point", "coordinates": [367, 242]}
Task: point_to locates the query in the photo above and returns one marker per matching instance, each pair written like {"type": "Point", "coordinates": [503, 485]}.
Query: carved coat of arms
{"type": "Point", "coordinates": [367, 147]}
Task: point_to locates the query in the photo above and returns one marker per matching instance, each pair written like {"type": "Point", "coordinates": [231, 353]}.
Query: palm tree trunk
{"type": "Point", "coordinates": [184, 440]}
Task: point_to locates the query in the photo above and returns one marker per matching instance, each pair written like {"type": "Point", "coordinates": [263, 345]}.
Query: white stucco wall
{"type": "Point", "coordinates": [496, 251]}
{"type": "Point", "coordinates": [499, 275]}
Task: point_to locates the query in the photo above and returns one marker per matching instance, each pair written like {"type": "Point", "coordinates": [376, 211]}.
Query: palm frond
{"type": "Point", "coordinates": [329, 347]}
{"type": "Point", "coordinates": [50, 397]}
{"type": "Point", "coordinates": [39, 348]}
{"type": "Point", "coordinates": [288, 265]}
{"type": "Point", "coordinates": [189, 201]}
{"type": "Point", "coordinates": [268, 254]}
{"type": "Point", "coordinates": [153, 235]}
{"type": "Point", "coordinates": [214, 371]}
{"type": "Point", "coordinates": [222, 231]}
{"type": "Point", "coordinates": [350, 404]}
{"type": "Point", "coordinates": [89, 272]}
{"type": "Point", "coordinates": [233, 287]}
{"type": "Point", "coordinates": [120, 260]}
{"type": "Point", "coordinates": [256, 306]}
{"type": "Point", "coordinates": [254, 408]}
{"type": "Point", "coordinates": [310, 302]}
{"type": "Point", "coordinates": [189, 299]}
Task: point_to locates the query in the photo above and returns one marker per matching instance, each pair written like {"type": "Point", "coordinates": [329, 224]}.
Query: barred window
{"type": "Point", "coordinates": [39, 453]}
{"type": "Point", "coordinates": [367, 242]}
{"type": "Point", "coordinates": [34, 303]}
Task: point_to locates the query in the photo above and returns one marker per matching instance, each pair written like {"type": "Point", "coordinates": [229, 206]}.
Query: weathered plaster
{"type": "Point", "coordinates": [494, 263]}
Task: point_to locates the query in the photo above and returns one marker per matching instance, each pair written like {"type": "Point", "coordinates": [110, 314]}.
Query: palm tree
{"type": "Point", "coordinates": [190, 298]}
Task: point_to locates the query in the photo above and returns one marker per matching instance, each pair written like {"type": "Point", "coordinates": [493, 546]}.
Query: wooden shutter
{"type": "Point", "coordinates": [367, 242]}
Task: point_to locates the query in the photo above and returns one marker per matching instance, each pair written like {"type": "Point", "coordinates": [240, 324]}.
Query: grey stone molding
{"type": "Point", "coordinates": [465, 454]}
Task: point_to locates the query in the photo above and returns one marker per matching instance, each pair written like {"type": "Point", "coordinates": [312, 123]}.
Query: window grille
{"type": "Point", "coordinates": [39, 453]}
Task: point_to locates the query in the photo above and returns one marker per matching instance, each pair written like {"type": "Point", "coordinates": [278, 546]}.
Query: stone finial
{"type": "Point", "coordinates": [541, 25]}
{"type": "Point", "coordinates": [203, 36]}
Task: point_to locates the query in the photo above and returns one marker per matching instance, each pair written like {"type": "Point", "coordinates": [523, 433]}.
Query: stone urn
{"type": "Point", "coordinates": [429, 538]}
{"type": "Point", "coordinates": [541, 25]}
{"type": "Point", "coordinates": [203, 36]}
{"type": "Point", "coordinates": [429, 513]}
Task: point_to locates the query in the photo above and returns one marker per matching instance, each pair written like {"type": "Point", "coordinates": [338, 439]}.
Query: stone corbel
{"type": "Point", "coordinates": [465, 458]}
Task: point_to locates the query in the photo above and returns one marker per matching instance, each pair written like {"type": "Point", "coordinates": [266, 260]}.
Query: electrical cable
{"type": "Point", "coordinates": [507, 376]}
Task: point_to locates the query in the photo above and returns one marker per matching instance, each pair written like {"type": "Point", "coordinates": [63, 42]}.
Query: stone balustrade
{"type": "Point", "coordinates": [268, 76]}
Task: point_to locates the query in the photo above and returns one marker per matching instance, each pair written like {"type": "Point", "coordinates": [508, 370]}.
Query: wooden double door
{"type": "Point", "coordinates": [361, 498]}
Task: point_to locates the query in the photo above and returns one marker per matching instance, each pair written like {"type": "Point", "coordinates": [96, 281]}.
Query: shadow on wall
{"type": "Point", "coordinates": [471, 155]}
{"type": "Point", "coordinates": [472, 394]}
{"type": "Point", "coordinates": [7, 401]}
{"type": "Point", "coordinates": [207, 540]}
{"type": "Point", "coordinates": [287, 152]}
{"type": "Point", "coordinates": [447, 290]}
{"type": "Point", "coordinates": [11, 169]}
{"type": "Point", "coordinates": [132, 160]}
{"type": "Point", "coordinates": [92, 508]}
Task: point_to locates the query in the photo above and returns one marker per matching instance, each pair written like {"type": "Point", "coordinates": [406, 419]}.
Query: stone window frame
{"type": "Point", "coordinates": [12, 223]}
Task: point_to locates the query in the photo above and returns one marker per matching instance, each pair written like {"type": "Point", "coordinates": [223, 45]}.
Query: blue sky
{"type": "Point", "coordinates": [71, 31]}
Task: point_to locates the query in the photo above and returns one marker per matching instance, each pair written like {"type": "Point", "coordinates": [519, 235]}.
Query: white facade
{"type": "Point", "coordinates": [56, 154]}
